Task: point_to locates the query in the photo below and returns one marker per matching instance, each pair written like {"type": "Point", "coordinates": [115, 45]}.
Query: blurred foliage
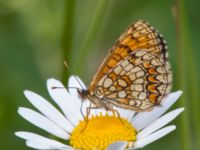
{"type": "Point", "coordinates": [36, 36]}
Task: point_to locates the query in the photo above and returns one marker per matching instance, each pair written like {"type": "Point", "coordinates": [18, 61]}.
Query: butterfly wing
{"type": "Point", "coordinates": [140, 37]}
{"type": "Point", "coordinates": [137, 82]}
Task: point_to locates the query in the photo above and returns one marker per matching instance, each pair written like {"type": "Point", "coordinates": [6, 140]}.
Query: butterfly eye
{"type": "Point", "coordinates": [99, 92]}
{"type": "Point", "coordinates": [82, 93]}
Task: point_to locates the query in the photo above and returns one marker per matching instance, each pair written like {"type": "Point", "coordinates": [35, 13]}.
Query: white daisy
{"type": "Point", "coordinates": [103, 128]}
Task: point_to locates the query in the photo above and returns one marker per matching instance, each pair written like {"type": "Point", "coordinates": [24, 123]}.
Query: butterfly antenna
{"type": "Point", "coordinates": [67, 67]}
{"type": "Point", "coordinates": [57, 87]}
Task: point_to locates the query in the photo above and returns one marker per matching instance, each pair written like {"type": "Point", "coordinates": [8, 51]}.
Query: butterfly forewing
{"type": "Point", "coordinates": [135, 74]}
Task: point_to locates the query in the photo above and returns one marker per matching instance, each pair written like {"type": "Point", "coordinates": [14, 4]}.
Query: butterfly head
{"type": "Point", "coordinates": [83, 93]}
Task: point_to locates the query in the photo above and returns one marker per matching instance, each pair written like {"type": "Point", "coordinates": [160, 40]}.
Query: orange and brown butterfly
{"type": "Point", "coordinates": [135, 74]}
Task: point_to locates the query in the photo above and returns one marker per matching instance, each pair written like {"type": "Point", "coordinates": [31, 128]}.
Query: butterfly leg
{"type": "Point", "coordinates": [88, 110]}
{"type": "Point", "coordinates": [118, 115]}
{"type": "Point", "coordinates": [109, 107]}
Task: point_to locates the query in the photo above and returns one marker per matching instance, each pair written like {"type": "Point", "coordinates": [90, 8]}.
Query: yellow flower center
{"type": "Point", "coordinates": [100, 131]}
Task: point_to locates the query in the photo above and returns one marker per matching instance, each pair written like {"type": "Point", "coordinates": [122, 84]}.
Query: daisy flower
{"type": "Point", "coordinates": [103, 130]}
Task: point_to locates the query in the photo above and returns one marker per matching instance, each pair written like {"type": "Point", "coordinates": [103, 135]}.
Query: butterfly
{"type": "Point", "coordinates": [135, 74]}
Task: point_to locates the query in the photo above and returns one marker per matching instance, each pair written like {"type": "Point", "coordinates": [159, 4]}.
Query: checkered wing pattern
{"type": "Point", "coordinates": [136, 73]}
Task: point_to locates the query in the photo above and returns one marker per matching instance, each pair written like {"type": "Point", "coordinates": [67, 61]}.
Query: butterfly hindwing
{"type": "Point", "coordinates": [137, 82]}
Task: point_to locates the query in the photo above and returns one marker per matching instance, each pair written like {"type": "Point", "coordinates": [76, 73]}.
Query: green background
{"type": "Point", "coordinates": [37, 35]}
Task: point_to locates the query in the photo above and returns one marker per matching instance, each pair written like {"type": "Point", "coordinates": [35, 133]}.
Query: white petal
{"type": "Point", "coordinates": [40, 142]}
{"type": "Point", "coordinates": [65, 101]}
{"type": "Point", "coordinates": [153, 137]}
{"type": "Point", "coordinates": [117, 146]}
{"type": "Point", "coordinates": [159, 123]}
{"type": "Point", "coordinates": [125, 113]}
{"type": "Point", "coordinates": [46, 145]}
{"type": "Point", "coordinates": [143, 119]}
{"type": "Point", "coordinates": [42, 122]}
{"type": "Point", "coordinates": [48, 110]}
